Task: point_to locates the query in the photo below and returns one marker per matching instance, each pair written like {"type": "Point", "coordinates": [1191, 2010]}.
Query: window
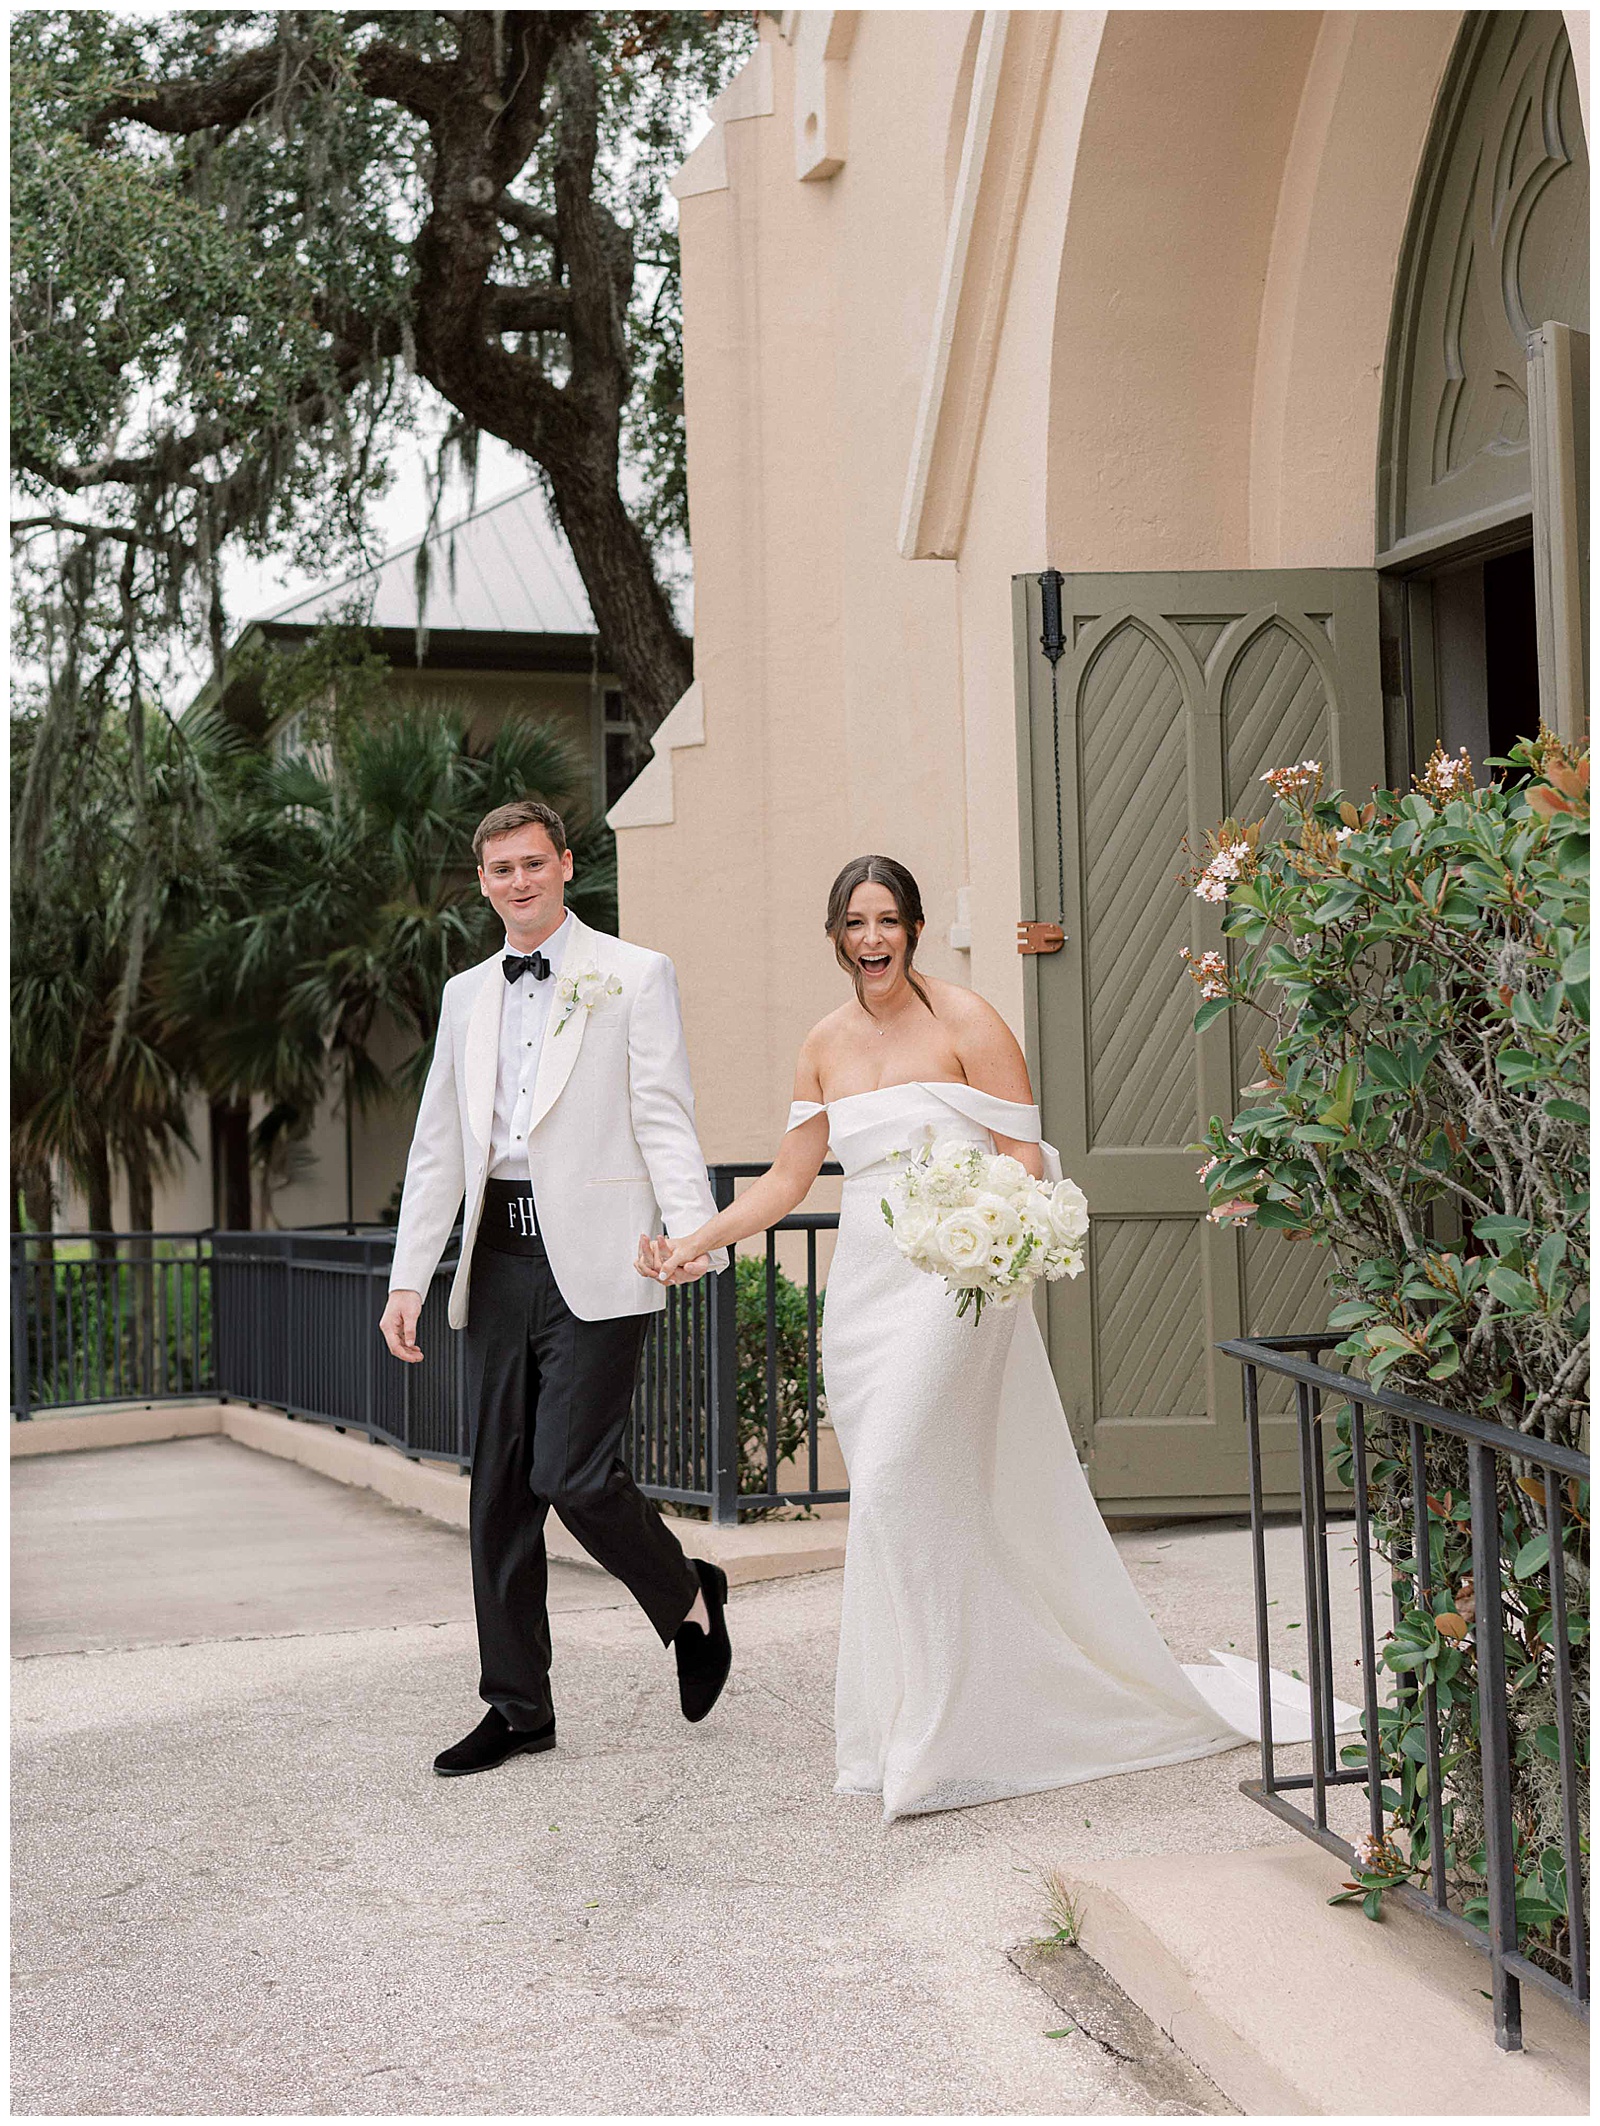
{"type": "Point", "coordinates": [625, 753]}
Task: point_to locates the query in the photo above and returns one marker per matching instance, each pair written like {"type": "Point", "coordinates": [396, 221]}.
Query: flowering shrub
{"type": "Point", "coordinates": [791, 1383]}
{"type": "Point", "coordinates": [1417, 967]}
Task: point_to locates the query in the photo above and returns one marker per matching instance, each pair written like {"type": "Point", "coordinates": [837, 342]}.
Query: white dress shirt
{"type": "Point", "coordinates": [523, 1018]}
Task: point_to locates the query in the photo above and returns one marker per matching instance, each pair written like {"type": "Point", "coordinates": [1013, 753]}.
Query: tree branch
{"type": "Point", "coordinates": [530, 221]}
{"type": "Point", "coordinates": [123, 532]}
{"type": "Point", "coordinates": [528, 309]}
{"type": "Point", "coordinates": [234, 96]}
{"type": "Point", "coordinates": [193, 105]}
{"type": "Point", "coordinates": [358, 342]}
{"type": "Point", "coordinates": [398, 76]}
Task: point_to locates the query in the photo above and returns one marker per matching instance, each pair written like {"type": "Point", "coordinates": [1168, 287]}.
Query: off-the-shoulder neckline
{"type": "Point", "coordinates": [901, 1085]}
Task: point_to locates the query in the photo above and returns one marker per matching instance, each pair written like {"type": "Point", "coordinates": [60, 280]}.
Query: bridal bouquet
{"type": "Point", "coordinates": [981, 1222]}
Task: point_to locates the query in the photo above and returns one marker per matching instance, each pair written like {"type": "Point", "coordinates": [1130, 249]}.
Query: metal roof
{"type": "Point", "coordinates": [514, 572]}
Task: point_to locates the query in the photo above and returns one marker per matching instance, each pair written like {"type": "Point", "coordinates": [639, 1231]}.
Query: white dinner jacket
{"type": "Point", "coordinates": [612, 1150]}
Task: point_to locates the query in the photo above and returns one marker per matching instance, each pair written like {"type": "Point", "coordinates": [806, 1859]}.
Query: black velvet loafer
{"type": "Point", "coordinates": [491, 1742]}
{"type": "Point", "coordinates": [704, 1657]}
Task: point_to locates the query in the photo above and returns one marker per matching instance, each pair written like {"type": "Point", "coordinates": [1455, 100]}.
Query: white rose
{"type": "Point", "coordinates": [964, 1241]}
{"type": "Point", "coordinates": [914, 1227]}
{"type": "Point", "coordinates": [1069, 1213]}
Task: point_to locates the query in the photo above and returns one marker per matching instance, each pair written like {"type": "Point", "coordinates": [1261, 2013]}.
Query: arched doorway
{"type": "Point", "coordinates": [1482, 486]}
{"type": "Point", "coordinates": [1231, 602]}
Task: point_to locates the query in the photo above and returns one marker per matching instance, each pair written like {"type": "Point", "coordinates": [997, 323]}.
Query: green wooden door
{"type": "Point", "coordinates": [1174, 694]}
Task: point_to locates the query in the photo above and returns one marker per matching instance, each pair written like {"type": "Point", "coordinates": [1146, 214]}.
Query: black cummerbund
{"type": "Point", "coordinates": [508, 1224]}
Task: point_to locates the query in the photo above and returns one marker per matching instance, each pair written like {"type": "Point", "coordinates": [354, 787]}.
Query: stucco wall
{"type": "Point", "coordinates": [830, 669]}
{"type": "Point", "coordinates": [1174, 360]}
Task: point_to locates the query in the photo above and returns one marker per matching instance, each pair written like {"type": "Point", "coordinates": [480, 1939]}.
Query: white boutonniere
{"type": "Point", "coordinates": [586, 987]}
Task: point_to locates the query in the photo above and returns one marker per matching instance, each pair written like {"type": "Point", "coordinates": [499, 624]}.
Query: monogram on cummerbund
{"type": "Point", "coordinates": [509, 1223]}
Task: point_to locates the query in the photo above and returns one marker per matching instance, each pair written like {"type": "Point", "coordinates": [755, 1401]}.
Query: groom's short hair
{"type": "Point", "coordinates": [523, 812]}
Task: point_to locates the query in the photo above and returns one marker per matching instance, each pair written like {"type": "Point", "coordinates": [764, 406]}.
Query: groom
{"type": "Point", "coordinates": [558, 1105]}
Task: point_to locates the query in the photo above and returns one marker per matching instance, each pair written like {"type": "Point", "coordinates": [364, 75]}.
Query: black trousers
{"type": "Point", "coordinates": [550, 1396]}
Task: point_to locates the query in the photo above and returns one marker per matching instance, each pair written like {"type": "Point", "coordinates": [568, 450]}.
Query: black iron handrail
{"type": "Point", "coordinates": [127, 1321]}
{"type": "Point", "coordinates": [1485, 1442]}
{"type": "Point", "coordinates": [288, 1320]}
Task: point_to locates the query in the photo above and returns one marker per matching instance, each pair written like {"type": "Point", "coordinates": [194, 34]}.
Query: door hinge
{"type": "Point", "coordinates": [1040, 937]}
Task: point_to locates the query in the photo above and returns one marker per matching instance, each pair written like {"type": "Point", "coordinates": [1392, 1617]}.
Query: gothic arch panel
{"type": "Point", "coordinates": [1274, 698]}
{"type": "Point", "coordinates": [1497, 245]}
{"type": "Point", "coordinates": [1133, 766]}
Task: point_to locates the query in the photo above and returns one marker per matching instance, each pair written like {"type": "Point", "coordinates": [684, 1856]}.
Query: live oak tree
{"type": "Point", "coordinates": [243, 240]}
{"type": "Point", "coordinates": [248, 249]}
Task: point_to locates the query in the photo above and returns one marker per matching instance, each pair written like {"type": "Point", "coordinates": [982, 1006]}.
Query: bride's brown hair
{"type": "Point", "coordinates": [876, 871]}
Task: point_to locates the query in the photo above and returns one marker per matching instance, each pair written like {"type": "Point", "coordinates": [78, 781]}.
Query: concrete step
{"type": "Point", "coordinates": [756, 1550]}
{"type": "Point", "coordinates": [1298, 2008]}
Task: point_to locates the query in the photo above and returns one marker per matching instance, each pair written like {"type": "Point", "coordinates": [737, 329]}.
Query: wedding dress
{"type": "Point", "coordinates": [992, 1643]}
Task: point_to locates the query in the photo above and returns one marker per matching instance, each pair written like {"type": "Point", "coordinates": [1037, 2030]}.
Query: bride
{"type": "Point", "coordinates": [992, 1643]}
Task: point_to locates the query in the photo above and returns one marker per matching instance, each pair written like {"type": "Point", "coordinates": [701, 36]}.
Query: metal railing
{"type": "Point", "coordinates": [1391, 1437]}
{"type": "Point", "coordinates": [726, 1414]}
{"type": "Point", "coordinates": [730, 1388]}
{"type": "Point", "coordinates": [109, 1317]}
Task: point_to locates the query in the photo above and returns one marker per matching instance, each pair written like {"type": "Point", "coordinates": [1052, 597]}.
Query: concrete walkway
{"type": "Point", "coordinates": [239, 1888]}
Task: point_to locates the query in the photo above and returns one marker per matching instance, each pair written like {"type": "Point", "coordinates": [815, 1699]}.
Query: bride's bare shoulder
{"type": "Point", "coordinates": [962, 1009]}
{"type": "Point", "coordinates": [991, 1056]}
{"type": "Point", "coordinates": [811, 1064]}
{"type": "Point", "coordinates": [829, 1031]}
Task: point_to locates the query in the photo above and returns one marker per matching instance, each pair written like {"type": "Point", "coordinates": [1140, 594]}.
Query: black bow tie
{"type": "Point", "coordinates": [533, 963]}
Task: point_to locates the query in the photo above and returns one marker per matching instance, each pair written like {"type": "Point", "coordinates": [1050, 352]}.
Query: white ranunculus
{"type": "Point", "coordinates": [1008, 1177]}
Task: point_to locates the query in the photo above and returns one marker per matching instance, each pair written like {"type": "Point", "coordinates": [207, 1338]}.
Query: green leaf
{"type": "Point", "coordinates": [1211, 1010]}
{"type": "Point", "coordinates": [1567, 1111]}
{"type": "Point", "coordinates": [1495, 1229]}
{"type": "Point", "coordinates": [1512, 1290]}
{"type": "Point", "coordinates": [1550, 1259]}
{"type": "Point", "coordinates": [1387, 1069]}
{"type": "Point", "coordinates": [1532, 1557]}
{"type": "Point", "coordinates": [1517, 1066]}
{"type": "Point", "coordinates": [1403, 1659]}
{"type": "Point", "coordinates": [1336, 1113]}
{"type": "Point", "coordinates": [1337, 904]}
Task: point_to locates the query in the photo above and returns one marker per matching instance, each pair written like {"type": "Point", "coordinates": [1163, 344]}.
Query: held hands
{"type": "Point", "coordinates": [398, 1325]}
{"type": "Point", "coordinates": [670, 1262]}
